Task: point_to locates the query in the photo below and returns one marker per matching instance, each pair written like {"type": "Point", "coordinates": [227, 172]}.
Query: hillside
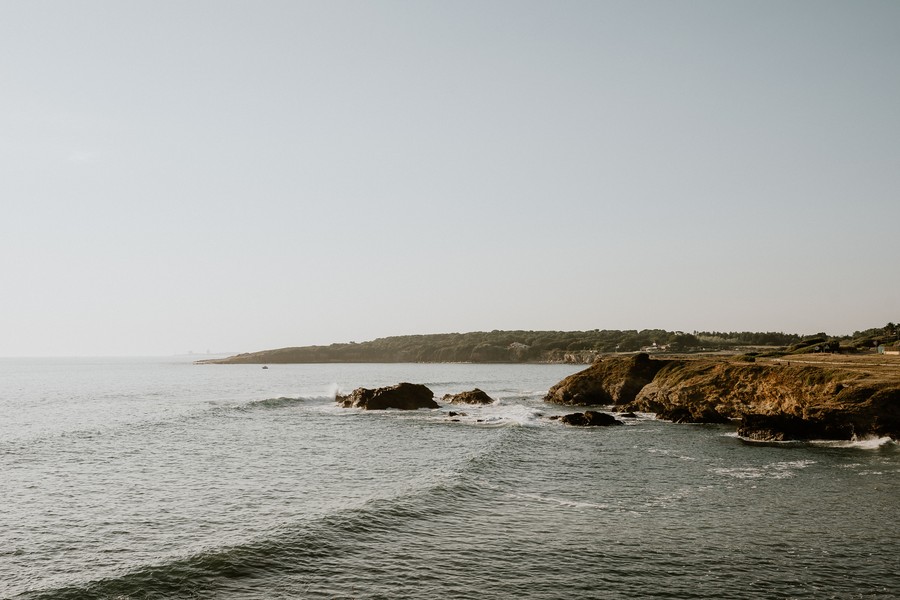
{"type": "Point", "coordinates": [581, 347]}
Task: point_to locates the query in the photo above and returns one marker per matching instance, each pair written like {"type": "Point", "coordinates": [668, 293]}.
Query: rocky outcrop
{"type": "Point", "coordinates": [475, 396]}
{"type": "Point", "coordinates": [842, 412]}
{"type": "Point", "coordinates": [590, 418]}
{"type": "Point", "coordinates": [403, 396]}
{"type": "Point", "coordinates": [773, 401]}
{"type": "Point", "coordinates": [607, 381]}
{"type": "Point", "coordinates": [781, 427]}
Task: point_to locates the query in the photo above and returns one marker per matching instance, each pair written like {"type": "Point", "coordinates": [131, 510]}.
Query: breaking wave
{"type": "Point", "coordinates": [865, 443]}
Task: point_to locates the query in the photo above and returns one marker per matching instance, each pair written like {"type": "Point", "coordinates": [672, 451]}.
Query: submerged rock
{"type": "Point", "coordinates": [403, 396]}
{"type": "Point", "coordinates": [475, 396]}
{"type": "Point", "coordinates": [590, 418]}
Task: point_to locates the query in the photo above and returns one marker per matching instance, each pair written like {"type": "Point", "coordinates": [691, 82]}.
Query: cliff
{"type": "Point", "coordinates": [608, 381]}
{"type": "Point", "coordinates": [773, 400]}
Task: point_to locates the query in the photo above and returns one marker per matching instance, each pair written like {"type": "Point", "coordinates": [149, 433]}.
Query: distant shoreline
{"type": "Point", "coordinates": [567, 347]}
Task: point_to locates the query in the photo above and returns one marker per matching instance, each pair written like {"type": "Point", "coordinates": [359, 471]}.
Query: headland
{"type": "Point", "coordinates": [775, 399]}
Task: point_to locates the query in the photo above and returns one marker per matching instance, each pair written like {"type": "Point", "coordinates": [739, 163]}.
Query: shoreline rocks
{"type": "Point", "coordinates": [475, 396]}
{"type": "Point", "coordinates": [403, 396]}
{"type": "Point", "coordinates": [590, 418]}
{"type": "Point", "coordinates": [772, 401]}
{"type": "Point", "coordinates": [779, 428]}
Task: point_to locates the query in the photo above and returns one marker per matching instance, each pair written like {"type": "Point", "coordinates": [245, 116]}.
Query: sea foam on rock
{"type": "Point", "coordinates": [403, 396]}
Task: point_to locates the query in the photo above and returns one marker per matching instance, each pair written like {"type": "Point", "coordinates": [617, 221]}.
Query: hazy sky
{"type": "Point", "coordinates": [237, 176]}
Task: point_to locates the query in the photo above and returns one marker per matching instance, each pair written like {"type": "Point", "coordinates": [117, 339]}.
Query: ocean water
{"type": "Point", "coordinates": [158, 478]}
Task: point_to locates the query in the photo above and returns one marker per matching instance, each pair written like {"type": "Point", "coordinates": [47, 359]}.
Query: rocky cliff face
{"type": "Point", "coordinates": [607, 381]}
{"type": "Point", "coordinates": [773, 401]}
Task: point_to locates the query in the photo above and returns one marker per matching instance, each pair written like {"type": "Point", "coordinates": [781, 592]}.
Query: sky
{"type": "Point", "coordinates": [233, 176]}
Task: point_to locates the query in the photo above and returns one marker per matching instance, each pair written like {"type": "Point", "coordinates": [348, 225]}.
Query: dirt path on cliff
{"type": "Point", "coordinates": [879, 367]}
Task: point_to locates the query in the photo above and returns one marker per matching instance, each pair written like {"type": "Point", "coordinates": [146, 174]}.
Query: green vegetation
{"type": "Point", "coordinates": [720, 339]}
{"type": "Point", "coordinates": [560, 346]}
{"type": "Point", "coordinates": [872, 338]}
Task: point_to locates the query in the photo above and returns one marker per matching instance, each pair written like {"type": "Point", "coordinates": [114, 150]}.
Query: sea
{"type": "Point", "coordinates": [157, 478]}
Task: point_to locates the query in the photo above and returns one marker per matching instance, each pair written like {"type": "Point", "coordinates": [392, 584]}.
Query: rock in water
{"type": "Point", "coordinates": [403, 396]}
{"type": "Point", "coordinates": [781, 427]}
{"type": "Point", "coordinates": [590, 418]}
{"type": "Point", "coordinates": [475, 396]}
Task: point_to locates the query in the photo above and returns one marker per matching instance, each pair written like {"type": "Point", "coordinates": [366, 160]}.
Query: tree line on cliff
{"type": "Point", "coordinates": [562, 346]}
{"type": "Point", "coordinates": [513, 346]}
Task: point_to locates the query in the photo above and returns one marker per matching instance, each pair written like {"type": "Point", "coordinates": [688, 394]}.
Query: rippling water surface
{"type": "Point", "coordinates": [163, 479]}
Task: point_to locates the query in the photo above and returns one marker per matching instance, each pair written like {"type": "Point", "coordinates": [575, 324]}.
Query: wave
{"type": "Point", "coordinates": [777, 470]}
{"type": "Point", "coordinates": [194, 414]}
{"type": "Point", "coordinates": [561, 501]}
{"type": "Point", "coordinates": [273, 402]}
{"type": "Point", "coordinates": [302, 550]}
{"type": "Point", "coordinates": [863, 443]}
{"type": "Point", "coordinates": [296, 550]}
{"type": "Point", "coordinates": [199, 574]}
{"type": "Point", "coordinates": [510, 414]}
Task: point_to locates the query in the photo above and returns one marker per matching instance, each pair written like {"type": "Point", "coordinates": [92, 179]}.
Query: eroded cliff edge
{"type": "Point", "coordinates": [772, 401]}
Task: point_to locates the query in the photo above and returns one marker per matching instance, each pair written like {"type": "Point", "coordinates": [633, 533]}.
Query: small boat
{"type": "Point", "coordinates": [265, 366]}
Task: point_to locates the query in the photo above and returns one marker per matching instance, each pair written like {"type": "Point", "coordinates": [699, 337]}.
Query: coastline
{"type": "Point", "coordinates": [828, 397]}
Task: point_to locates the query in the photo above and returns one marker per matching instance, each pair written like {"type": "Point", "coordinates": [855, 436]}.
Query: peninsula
{"type": "Point", "coordinates": [578, 347]}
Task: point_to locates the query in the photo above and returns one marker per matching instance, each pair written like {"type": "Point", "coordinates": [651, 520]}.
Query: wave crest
{"type": "Point", "coordinates": [275, 402]}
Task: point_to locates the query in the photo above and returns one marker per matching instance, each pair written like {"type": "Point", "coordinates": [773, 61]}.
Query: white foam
{"type": "Point", "coordinates": [506, 414]}
{"type": "Point", "coordinates": [561, 501]}
{"type": "Point", "coordinates": [865, 443]}
{"type": "Point", "coordinates": [778, 470]}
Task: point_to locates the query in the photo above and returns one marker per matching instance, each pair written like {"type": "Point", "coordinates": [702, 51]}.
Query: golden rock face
{"type": "Point", "coordinates": [774, 399]}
